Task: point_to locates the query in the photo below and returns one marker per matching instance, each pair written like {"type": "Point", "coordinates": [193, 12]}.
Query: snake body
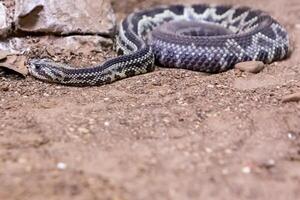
{"type": "Point", "coordinates": [198, 37]}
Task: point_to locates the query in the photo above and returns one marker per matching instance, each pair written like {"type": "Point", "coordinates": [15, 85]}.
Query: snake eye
{"type": "Point", "coordinates": [37, 67]}
{"type": "Point", "coordinates": [34, 65]}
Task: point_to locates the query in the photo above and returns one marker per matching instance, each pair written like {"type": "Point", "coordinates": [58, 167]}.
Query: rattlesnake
{"type": "Point", "coordinates": [207, 38]}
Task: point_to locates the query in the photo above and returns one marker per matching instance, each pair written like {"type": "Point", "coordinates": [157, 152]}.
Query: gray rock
{"type": "Point", "coordinates": [3, 21]}
{"type": "Point", "coordinates": [65, 16]}
{"type": "Point", "coordinates": [12, 45]}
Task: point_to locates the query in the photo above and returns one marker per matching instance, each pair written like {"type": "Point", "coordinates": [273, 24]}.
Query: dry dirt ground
{"type": "Point", "coordinates": [170, 134]}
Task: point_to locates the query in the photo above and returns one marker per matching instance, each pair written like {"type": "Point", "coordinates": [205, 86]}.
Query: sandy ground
{"type": "Point", "coordinates": [170, 134]}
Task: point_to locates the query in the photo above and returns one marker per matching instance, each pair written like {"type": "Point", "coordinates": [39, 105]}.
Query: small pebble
{"type": "Point", "coordinates": [208, 150]}
{"type": "Point", "coordinates": [250, 66]}
{"type": "Point", "coordinates": [50, 51]}
{"type": "Point", "coordinates": [246, 170]}
{"type": "Point", "coordinates": [228, 151]}
{"type": "Point", "coordinates": [271, 162]}
{"type": "Point", "coordinates": [4, 87]}
{"type": "Point", "coordinates": [106, 123]}
{"type": "Point", "coordinates": [268, 164]}
{"type": "Point", "coordinates": [291, 136]}
{"type": "Point", "coordinates": [83, 130]}
{"type": "Point", "coordinates": [225, 171]}
{"type": "Point", "coordinates": [61, 166]}
{"type": "Point", "coordinates": [292, 97]}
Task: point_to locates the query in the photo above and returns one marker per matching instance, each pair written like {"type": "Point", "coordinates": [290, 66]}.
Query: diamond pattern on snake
{"type": "Point", "coordinates": [201, 37]}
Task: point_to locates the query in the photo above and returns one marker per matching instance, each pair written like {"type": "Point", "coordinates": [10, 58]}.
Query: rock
{"type": "Point", "coordinates": [250, 66]}
{"type": "Point", "coordinates": [3, 21]}
{"type": "Point", "coordinates": [15, 63]}
{"type": "Point", "coordinates": [13, 45]}
{"type": "Point", "coordinates": [3, 55]}
{"type": "Point", "coordinates": [246, 170]}
{"type": "Point", "coordinates": [292, 97]}
{"type": "Point", "coordinates": [59, 17]}
{"type": "Point", "coordinates": [61, 166]}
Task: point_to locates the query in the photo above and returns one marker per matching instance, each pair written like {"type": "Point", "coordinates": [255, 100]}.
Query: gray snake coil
{"type": "Point", "coordinates": [197, 37]}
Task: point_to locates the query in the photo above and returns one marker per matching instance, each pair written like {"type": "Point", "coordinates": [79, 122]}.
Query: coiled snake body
{"type": "Point", "coordinates": [197, 37]}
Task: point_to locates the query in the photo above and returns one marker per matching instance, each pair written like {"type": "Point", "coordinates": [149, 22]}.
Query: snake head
{"type": "Point", "coordinates": [44, 69]}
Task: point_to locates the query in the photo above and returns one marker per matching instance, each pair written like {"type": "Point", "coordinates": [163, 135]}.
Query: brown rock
{"type": "Point", "coordinates": [65, 17]}
{"type": "Point", "coordinates": [250, 66]}
{"type": "Point", "coordinates": [292, 97]}
{"type": "Point", "coordinates": [3, 55]}
{"type": "Point", "coordinates": [15, 63]}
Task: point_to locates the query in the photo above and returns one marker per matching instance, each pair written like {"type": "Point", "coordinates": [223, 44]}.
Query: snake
{"type": "Point", "coordinates": [200, 37]}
